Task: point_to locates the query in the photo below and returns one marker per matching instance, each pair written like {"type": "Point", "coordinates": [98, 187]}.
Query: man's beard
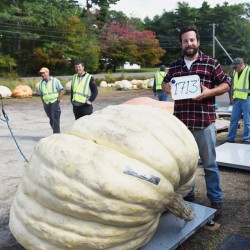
{"type": "Point", "coordinates": [190, 51]}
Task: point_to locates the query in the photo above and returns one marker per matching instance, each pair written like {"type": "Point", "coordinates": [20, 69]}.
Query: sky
{"type": "Point", "coordinates": [151, 8]}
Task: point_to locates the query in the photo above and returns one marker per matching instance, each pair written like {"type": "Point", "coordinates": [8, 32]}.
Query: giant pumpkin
{"type": "Point", "coordinates": [104, 183]}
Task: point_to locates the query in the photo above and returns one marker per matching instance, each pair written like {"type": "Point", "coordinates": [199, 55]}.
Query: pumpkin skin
{"type": "Point", "coordinates": [169, 106]}
{"type": "Point", "coordinates": [77, 191]}
{"type": "Point", "coordinates": [5, 91]}
{"type": "Point", "coordinates": [22, 91]}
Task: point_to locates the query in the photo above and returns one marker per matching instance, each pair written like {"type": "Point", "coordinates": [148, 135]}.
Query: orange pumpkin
{"type": "Point", "coordinates": [169, 106]}
{"type": "Point", "coordinates": [22, 91]}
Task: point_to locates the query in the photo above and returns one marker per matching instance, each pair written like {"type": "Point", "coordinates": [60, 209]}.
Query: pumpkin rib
{"type": "Point", "coordinates": [84, 232]}
{"type": "Point", "coordinates": [123, 204]}
{"type": "Point", "coordinates": [83, 128]}
{"type": "Point", "coordinates": [125, 143]}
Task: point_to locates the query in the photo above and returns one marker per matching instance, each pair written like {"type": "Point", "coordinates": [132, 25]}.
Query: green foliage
{"type": "Point", "coordinates": [7, 64]}
{"type": "Point", "coordinates": [57, 32]}
{"type": "Point", "coordinates": [122, 44]}
{"type": "Point", "coordinates": [232, 29]}
{"type": "Point", "coordinates": [11, 83]}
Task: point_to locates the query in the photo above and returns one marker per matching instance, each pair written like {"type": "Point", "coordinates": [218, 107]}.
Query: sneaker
{"type": "Point", "coordinates": [230, 141]}
{"type": "Point", "coordinates": [189, 197]}
{"type": "Point", "coordinates": [218, 213]}
{"type": "Point", "coordinates": [246, 142]}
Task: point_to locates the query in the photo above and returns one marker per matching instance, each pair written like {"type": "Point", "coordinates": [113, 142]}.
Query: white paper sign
{"type": "Point", "coordinates": [185, 87]}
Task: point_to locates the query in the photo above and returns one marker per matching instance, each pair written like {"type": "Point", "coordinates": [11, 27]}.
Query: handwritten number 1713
{"type": "Point", "coordinates": [185, 87]}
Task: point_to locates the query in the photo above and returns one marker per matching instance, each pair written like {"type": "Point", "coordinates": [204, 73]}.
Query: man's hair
{"type": "Point", "coordinates": [77, 62]}
{"type": "Point", "coordinates": [187, 29]}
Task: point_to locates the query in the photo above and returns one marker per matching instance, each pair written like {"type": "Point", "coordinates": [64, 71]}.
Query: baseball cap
{"type": "Point", "coordinates": [162, 68]}
{"type": "Point", "coordinates": [236, 62]}
{"type": "Point", "coordinates": [43, 69]}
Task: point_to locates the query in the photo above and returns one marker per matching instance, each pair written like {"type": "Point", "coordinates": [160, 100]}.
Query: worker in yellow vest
{"type": "Point", "coordinates": [158, 78]}
{"type": "Point", "coordinates": [241, 99]}
{"type": "Point", "coordinates": [51, 91]}
{"type": "Point", "coordinates": [83, 91]}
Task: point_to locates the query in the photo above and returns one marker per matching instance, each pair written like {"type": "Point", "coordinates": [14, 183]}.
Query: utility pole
{"type": "Point", "coordinates": [215, 39]}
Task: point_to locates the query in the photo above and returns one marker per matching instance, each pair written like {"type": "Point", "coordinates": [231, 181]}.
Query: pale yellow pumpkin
{"type": "Point", "coordinates": [105, 182]}
{"type": "Point", "coordinates": [5, 92]}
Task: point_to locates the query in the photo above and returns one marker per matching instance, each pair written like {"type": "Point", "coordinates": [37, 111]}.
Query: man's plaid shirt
{"type": "Point", "coordinates": [197, 114]}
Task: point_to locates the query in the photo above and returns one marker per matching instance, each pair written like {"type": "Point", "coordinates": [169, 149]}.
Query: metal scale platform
{"type": "Point", "coordinates": [234, 155]}
{"type": "Point", "coordinates": [173, 231]}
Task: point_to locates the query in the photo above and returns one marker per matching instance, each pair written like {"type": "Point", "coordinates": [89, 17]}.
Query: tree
{"type": "Point", "coordinates": [7, 64]}
{"type": "Point", "coordinates": [116, 45]}
{"type": "Point", "coordinates": [103, 9]}
{"type": "Point", "coordinates": [36, 38]}
{"type": "Point", "coordinates": [148, 51]}
{"type": "Point", "coordinates": [120, 44]}
{"type": "Point", "coordinates": [232, 29]}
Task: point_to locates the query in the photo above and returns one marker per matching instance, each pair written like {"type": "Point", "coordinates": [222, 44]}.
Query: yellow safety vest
{"type": "Point", "coordinates": [49, 91]}
{"type": "Point", "coordinates": [159, 75]}
{"type": "Point", "coordinates": [81, 90]}
{"type": "Point", "coordinates": [241, 84]}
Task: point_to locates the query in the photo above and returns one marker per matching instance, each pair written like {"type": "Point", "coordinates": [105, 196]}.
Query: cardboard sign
{"type": "Point", "coordinates": [185, 87]}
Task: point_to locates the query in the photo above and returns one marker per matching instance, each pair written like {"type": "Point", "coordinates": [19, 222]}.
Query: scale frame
{"type": "Point", "coordinates": [173, 231]}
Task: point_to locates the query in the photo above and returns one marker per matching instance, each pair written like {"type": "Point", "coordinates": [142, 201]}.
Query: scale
{"type": "Point", "coordinates": [173, 231]}
{"type": "Point", "coordinates": [234, 155]}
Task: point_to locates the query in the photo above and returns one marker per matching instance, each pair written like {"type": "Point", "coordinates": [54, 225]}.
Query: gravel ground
{"type": "Point", "coordinates": [29, 124]}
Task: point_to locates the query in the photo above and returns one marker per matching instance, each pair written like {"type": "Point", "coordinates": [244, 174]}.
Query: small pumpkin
{"type": "Point", "coordinates": [5, 92]}
{"type": "Point", "coordinates": [22, 91]}
{"type": "Point", "coordinates": [104, 183]}
{"type": "Point", "coordinates": [68, 87]}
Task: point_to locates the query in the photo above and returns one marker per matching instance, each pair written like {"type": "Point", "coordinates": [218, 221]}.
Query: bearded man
{"type": "Point", "coordinates": [198, 113]}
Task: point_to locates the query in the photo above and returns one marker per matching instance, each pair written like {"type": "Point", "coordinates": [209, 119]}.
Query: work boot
{"type": "Point", "coordinates": [218, 213]}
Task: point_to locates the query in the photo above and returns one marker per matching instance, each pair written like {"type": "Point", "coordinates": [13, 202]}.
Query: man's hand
{"type": "Point", "coordinates": [166, 87]}
{"type": "Point", "coordinates": [205, 93]}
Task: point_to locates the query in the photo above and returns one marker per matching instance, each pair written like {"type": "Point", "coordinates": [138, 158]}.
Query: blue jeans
{"type": "Point", "coordinates": [162, 96]}
{"type": "Point", "coordinates": [240, 106]}
{"type": "Point", "coordinates": [206, 141]}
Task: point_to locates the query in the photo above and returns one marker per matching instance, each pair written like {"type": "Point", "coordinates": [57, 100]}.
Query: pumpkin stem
{"type": "Point", "coordinates": [180, 208]}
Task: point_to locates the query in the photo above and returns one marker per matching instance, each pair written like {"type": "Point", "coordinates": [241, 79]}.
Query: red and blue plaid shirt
{"type": "Point", "coordinates": [197, 114]}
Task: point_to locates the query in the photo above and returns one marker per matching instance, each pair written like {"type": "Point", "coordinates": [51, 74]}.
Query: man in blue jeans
{"type": "Point", "coordinates": [198, 113]}
{"type": "Point", "coordinates": [241, 99]}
